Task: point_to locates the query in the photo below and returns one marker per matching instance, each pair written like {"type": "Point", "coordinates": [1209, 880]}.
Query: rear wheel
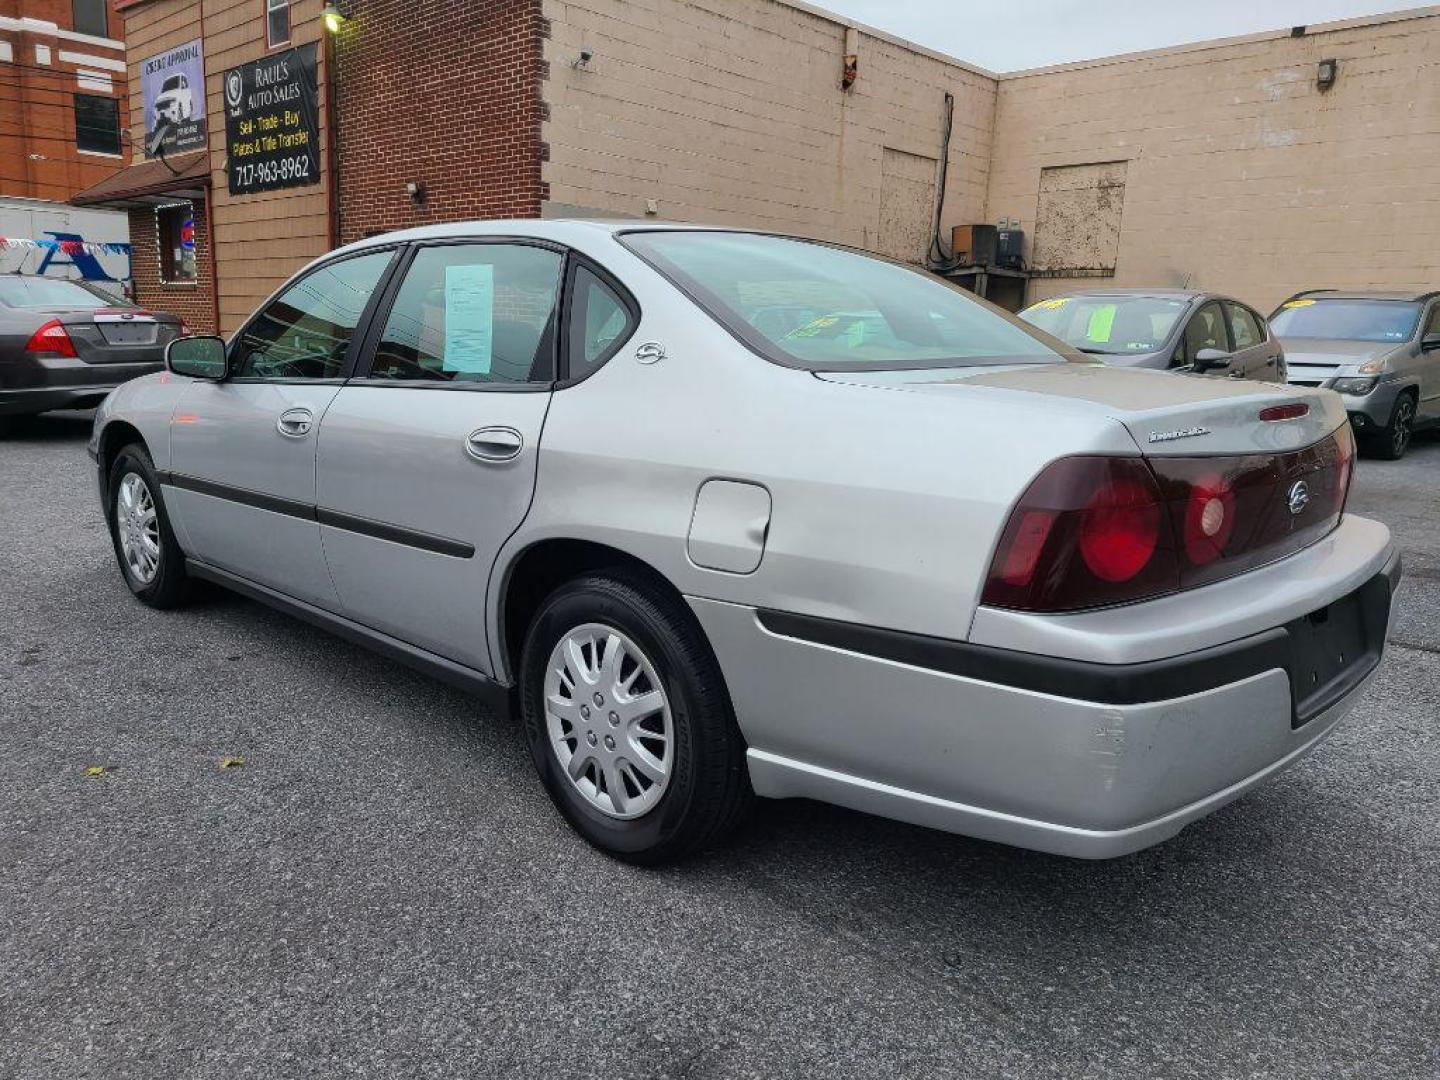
{"type": "Point", "coordinates": [629, 722]}
{"type": "Point", "coordinates": [150, 557]}
{"type": "Point", "coordinates": [1392, 441]}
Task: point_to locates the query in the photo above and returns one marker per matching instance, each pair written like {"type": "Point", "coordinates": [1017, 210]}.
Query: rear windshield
{"type": "Point", "coordinates": [810, 305]}
{"type": "Point", "coordinates": [1108, 325]}
{"type": "Point", "coordinates": [1347, 320]}
{"type": "Point", "coordinates": [38, 292]}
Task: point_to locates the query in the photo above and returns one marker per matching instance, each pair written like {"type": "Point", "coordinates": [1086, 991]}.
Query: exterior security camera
{"type": "Point", "coordinates": [583, 60]}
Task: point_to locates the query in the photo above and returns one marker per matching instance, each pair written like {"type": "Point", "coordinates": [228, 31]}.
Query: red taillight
{"type": "Point", "coordinates": [51, 338]}
{"type": "Point", "coordinates": [1120, 530]}
{"type": "Point", "coordinates": [1088, 531]}
{"type": "Point", "coordinates": [1093, 531]}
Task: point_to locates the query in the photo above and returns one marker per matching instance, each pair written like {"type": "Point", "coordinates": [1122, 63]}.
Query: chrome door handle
{"type": "Point", "coordinates": [493, 444]}
{"type": "Point", "coordinates": [295, 423]}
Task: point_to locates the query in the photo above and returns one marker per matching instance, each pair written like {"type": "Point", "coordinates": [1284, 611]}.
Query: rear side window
{"type": "Point", "coordinates": [600, 322]}
{"type": "Point", "coordinates": [480, 313]}
{"type": "Point", "coordinates": [305, 332]}
{"type": "Point", "coordinates": [1244, 326]}
{"type": "Point", "coordinates": [810, 305]}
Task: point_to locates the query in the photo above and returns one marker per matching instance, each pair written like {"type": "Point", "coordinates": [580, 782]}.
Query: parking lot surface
{"type": "Point", "coordinates": [383, 889]}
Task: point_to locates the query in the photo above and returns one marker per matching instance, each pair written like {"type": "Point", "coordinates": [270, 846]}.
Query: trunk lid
{"type": "Point", "coordinates": [119, 335]}
{"type": "Point", "coordinates": [1168, 414]}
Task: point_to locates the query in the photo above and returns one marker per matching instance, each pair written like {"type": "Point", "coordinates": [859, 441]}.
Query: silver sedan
{"type": "Point", "coordinates": [727, 514]}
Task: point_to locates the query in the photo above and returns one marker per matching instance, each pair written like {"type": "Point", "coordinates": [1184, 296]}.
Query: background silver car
{"type": "Point", "coordinates": [65, 345]}
{"type": "Point", "coordinates": [1168, 329]}
{"type": "Point", "coordinates": [1380, 351]}
{"type": "Point", "coordinates": [730, 513]}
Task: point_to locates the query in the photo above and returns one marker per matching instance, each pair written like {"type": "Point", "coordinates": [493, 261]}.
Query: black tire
{"type": "Point", "coordinates": [1391, 442]}
{"type": "Point", "coordinates": [169, 585]}
{"type": "Point", "coordinates": [708, 790]}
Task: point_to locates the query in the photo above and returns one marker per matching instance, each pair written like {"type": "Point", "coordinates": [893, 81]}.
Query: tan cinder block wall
{"type": "Point", "coordinates": [731, 112]}
{"type": "Point", "coordinates": [1242, 176]}
{"type": "Point", "coordinates": [260, 239]}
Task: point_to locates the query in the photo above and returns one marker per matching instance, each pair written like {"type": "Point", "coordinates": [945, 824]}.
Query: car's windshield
{"type": "Point", "coordinates": [173, 83]}
{"type": "Point", "coordinates": [825, 308]}
{"type": "Point", "coordinates": [1346, 320]}
{"type": "Point", "coordinates": [38, 292]}
{"type": "Point", "coordinates": [1109, 325]}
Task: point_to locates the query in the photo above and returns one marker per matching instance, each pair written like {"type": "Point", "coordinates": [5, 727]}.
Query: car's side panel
{"type": "Point", "coordinates": [397, 456]}
{"type": "Point", "coordinates": [885, 515]}
{"type": "Point", "coordinates": [243, 491]}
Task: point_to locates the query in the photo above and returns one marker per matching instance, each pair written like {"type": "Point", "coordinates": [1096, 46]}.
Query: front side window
{"type": "Point", "coordinates": [479, 313]}
{"type": "Point", "coordinates": [810, 305]}
{"type": "Point", "coordinates": [599, 323]}
{"type": "Point", "coordinates": [97, 124]}
{"type": "Point", "coordinates": [1108, 325]}
{"type": "Point", "coordinates": [175, 228]}
{"type": "Point", "coordinates": [1206, 330]}
{"type": "Point", "coordinates": [277, 22]}
{"type": "Point", "coordinates": [89, 17]}
{"type": "Point", "coordinates": [305, 331]}
{"type": "Point", "coordinates": [1244, 327]}
{"type": "Point", "coordinates": [1347, 320]}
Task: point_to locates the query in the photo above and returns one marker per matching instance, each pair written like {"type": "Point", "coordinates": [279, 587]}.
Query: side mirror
{"type": "Point", "coordinates": [200, 357]}
{"type": "Point", "coordinates": [1211, 359]}
{"type": "Point", "coordinates": [1430, 342]}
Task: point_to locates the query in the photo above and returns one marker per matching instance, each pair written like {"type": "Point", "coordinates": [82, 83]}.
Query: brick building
{"type": "Point", "coordinates": [1231, 165]}
{"type": "Point", "coordinates": [62, 96]}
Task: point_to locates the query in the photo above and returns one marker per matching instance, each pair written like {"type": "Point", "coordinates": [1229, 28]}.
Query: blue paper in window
{"type": "Point", "coordinates": [469, 318]}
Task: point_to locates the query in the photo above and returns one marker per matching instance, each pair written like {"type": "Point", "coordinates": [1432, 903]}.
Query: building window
{"type": "Point", "coordinates": [88, 17]}
{"type": "Point", "coordinates": [175, 243]}
{"type": "Point", "coordinates": [97, 124]}
{"type": "Point", "coordinates": [277, 22]}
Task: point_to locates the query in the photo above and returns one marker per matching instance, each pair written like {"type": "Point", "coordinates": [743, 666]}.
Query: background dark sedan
{"type": "Point", "coordinates": [64, 345]}
{"type": "Point", "coordinates": [1172, 329]}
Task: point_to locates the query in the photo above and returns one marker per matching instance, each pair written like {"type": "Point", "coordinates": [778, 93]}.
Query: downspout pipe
{"type": "Point", "coordinates": [939, 257]}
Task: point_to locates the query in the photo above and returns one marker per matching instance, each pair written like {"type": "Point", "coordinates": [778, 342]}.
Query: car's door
{"type": "Point", "coordinates": [1205, 330]}
{"type": "Point", "coordinates": [1256, 355]}
{"type": "Point", "coordinates": [427, 458]}
{"type": "Point", "coordinates": [242, 451]}
{"type": "Point", "coordinates": [1429, 366]}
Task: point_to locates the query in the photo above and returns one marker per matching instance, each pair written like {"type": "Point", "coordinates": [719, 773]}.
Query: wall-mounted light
{"type": "Point", "coordinates": [416, 191]}
{"type": "Point", "coordinates": [332, 17]}
{"type": "Point", "coordinates": [1325, 73]}
{"type": "Point", "coordinates": [582, 62]}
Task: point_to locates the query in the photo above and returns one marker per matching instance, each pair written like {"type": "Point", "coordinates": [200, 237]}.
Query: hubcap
{"type": "Point", "coordinates": [618, 754]}
{"type": "Point", "coordinates": [138, 528]}
{"type": "Point", "coordinates": [1401, 435]}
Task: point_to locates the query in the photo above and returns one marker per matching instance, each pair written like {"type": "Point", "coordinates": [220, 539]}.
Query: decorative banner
{"type": "Point", "coordinates": [173, 86]}
{"type": "Point", "coordinates": [68, 247]}
{"type": "Point", "coordinates": [272, 134]}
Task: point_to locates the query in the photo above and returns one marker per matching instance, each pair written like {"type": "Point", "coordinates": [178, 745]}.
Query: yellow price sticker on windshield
{"type": "Point", "coordinates": [1056, 303]}
{"type": "Point", "coordinates": [1297, 303]}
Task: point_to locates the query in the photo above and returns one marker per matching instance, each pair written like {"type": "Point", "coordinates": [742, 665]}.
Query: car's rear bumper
{"type": "Point", "coordinates": [1096, 761]}
{"type": "Point", "coordinates": [38, 384]}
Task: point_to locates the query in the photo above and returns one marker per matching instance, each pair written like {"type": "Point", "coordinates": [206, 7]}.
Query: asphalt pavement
{"type": "Point", "coordinates": [382, 888]}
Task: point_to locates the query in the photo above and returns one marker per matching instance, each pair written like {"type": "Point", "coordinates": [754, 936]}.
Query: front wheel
{"type": "Point", "coordinates": [629, 722]}
{"type": "Point", "coordinates": [150, 557]}
{"type": "Point", "coordinates": [1392, 442]}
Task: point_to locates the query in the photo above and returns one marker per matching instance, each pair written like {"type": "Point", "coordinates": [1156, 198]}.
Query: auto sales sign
{"type": "Point", "coordinates": [172, 85]}
{"type": "Point", "coordinates": [272, 133]}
